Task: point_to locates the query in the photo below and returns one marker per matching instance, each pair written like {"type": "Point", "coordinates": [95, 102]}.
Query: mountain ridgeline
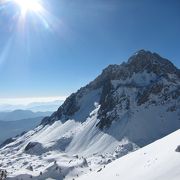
{"type": "Point", "coordinates": [146, 80]}
{"type": "Point", "coordinates": [125, 108]}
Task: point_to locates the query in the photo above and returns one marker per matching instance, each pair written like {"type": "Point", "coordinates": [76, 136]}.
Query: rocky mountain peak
{"type": "Point", "coordinates": [151, 62]}
{"type": "Point", "coordinates": [139, 62]}
{"type": "Point", "coordinates": [145, 73]}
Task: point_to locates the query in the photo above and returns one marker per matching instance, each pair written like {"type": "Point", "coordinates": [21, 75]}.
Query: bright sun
{"type": "Point", "coordinates": [29, 5]}
{"type": "Point", "coordinates": [29, 11]}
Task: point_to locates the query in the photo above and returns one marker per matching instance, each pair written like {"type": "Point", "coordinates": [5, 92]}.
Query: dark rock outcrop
{"type": "Point", "coordinates": [178, 149]}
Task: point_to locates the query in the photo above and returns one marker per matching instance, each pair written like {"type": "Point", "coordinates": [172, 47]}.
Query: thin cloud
{"type": "Point", "coordinates": [28, 100]}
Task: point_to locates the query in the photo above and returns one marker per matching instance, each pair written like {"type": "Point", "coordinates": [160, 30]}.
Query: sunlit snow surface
{"type": "Point", "coordinates": [47, 157]}
{"type": "Point", "coordinates": [157, 161]}
{"type": "Point", "coordinates": [73, 149]}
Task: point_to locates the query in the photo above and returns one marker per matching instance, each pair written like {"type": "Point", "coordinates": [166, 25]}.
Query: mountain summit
{"type": "Point", "coordinates": [152, 62]}
{"type": "Point", "coordinates": [125, 108]}
{"type": "Point", "coordinates": [146, 79]}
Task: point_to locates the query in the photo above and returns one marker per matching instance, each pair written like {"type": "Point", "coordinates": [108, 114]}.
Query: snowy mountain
{"type": "Point", "coordinates": [125, 108]}
{"type": "Point", "coordinates": [138, 100]}
{"type": "Point", "coordinates": [157, 161]}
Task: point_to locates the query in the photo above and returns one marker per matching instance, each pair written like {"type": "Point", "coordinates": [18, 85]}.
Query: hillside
{"type": "Point", "coordinates": [157, 161]}
{"type": "Point", "coordinates": [125, 108]}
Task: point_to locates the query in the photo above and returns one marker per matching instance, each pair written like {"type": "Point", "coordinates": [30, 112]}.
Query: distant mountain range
{"type": "Point", "coordinates": [22, 114]}
{"type": "Point", "coordinates": [9, 129]}
{"type": "Point", "coordinates": [15, 122]}
{"type": "Point", "coordinates": [15, 119]}
{"type": "Point", "coordinates": [127, 107]}
{"type": "Point", "coordinates": [36, 106]}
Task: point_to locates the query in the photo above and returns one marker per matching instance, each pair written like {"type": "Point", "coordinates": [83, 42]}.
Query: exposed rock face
{"type": "Point", "coordinates": [145, 79]}
{"type": "Point", "coordinates": [68, 108]}
{"type": "Point", "coordinates": [178, 149]}
{"type": "Point", "coordinates": [152, 62]}
{"type": "Point", "coordinates": [30, 146]}
{"type": "Point", "coordinates": [34, 148]}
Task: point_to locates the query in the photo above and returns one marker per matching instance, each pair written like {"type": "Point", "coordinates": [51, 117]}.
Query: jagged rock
{"type": "Point", "coordinates": [34, 148]}
{"type": "Point", "coordinates": [178, 149]}
{"type": "Point", "coordinates": [30, 146]}
{"type": "Point", "coordinates": [161, 79]}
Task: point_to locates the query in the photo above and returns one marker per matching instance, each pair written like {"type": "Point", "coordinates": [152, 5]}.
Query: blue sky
{"type": "Point", "coordinates": [80, 38]}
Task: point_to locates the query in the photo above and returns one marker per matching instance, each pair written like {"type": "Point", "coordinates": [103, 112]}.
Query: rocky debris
{"type": "Point", "coordinates": [30, 168]}
{"type": "Point", "coordinates": [3, 174]}
{"type": "Point", "coordinates": [124, 149]}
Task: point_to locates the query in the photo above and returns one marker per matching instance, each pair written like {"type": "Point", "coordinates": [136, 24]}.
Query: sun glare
{"type": "Point", "coordinates": [25, 16]}
{"type": "Point", "coordinates": [29, 5]}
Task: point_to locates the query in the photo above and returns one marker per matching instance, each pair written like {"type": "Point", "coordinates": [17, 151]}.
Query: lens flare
{"type": "Point", "coordinates": [26, 22]}
{"type": "Point", "coordinates": [29, 5]}
{"type": "Point", "coordinates": [26, 12]}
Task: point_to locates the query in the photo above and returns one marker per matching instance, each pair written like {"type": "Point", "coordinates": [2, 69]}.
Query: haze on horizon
{"type": "Point", "coordinates": [28, 100]}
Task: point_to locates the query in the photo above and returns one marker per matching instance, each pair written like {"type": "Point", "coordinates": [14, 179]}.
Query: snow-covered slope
{"type": "Point", "coordinates": [138, 100]}
{"type": "Point", "coordinates": [157, 161]}
{"type": "Point", "coordinates": [125, 108]}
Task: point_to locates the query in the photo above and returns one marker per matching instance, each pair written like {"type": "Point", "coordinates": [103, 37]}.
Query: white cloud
{"type": "Point", "coordinates": [28, 100]}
